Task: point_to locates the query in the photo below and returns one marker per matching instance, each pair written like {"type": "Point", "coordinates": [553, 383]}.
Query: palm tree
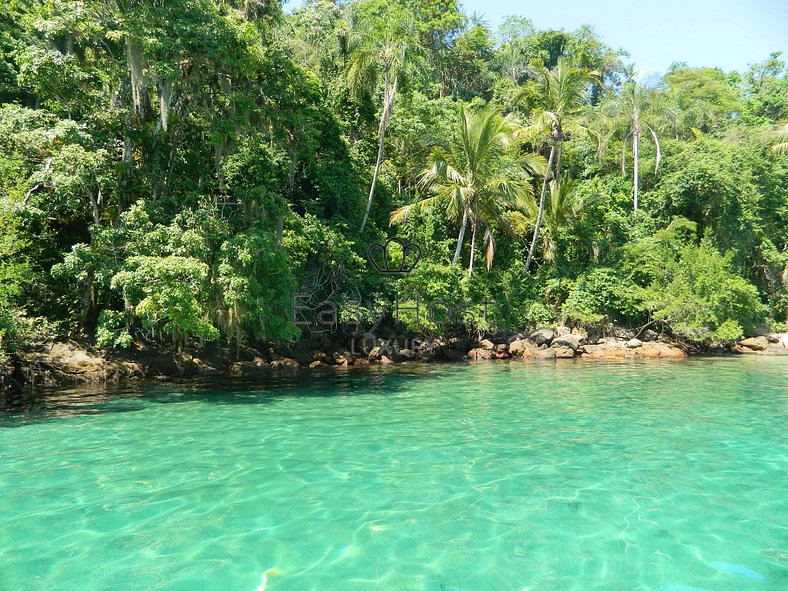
{"type": "Point", "coordinates": [781, 147]}
{"type": "Point", "coordinates": [564, 207]}
{"type": "Point", "coordinates": [563, 89]}
{"type": "Point", "coordinates": [638, 111]}
{"type": "Point", "coordinates": [477, 177]}
{"type": "Point", "coordinates": [383, 46]}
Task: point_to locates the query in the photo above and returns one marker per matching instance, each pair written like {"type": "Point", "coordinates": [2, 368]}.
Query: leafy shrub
{"type": "Point", "coordinates": [700, 297]}
{"type": "Point", "coordinates": [602, 293]}
{"type": "Point", "coordinates": [112, 330]}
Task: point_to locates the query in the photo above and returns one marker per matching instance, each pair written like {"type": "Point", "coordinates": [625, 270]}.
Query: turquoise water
{"type": "Point", "coordinates": [497, 476]}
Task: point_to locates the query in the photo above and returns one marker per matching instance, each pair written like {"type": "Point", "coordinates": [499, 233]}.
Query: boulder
{"type": "Point", "coordinates": [660, 350]}
{"type": "Point", "coordinates": [775, 350]}
{"type": "Point", "coordinates": [487, 345]}
{"type": "Point", "coordinates": [454, 355]}
{"type": "Point", "coordinates": [568, 340]}
{"type": "Point", "coordinates": [605, 351]}
{"type": "Point", "coordinates": [262, 363]}
{"type": "Point", "coordinates": [285, 363]}
{"type": "Point", "coordinates": [648, 335]}
{"type": "Point", "coordinates": [479, 354]}
{"type": "Point", "coordinates": [562, 352]}
{"type": "Point", "coordinates": [322, 357]}
{"type": "Point", "coordinates": [302, 356]}
{"type": "Point", "coordinates": [545, 354]}
{"type": "Point", "coordinates": [407, 354]}
{"type": "Point", "coordinates": [782, 339]}
{"type": "Point", "coordinates": [623, 333]}
{"type": "Point", "coordinates": [385, 360]}
{"type": "Point", "coordinates": [522, 348]}
{"type": "Point", "coordinates": [542, 336]}
{"type": "Point", "coordinates": [316, 363]}
{"type": "Point", "coordinates": [755, 343]}
{"type": "Point", "coordinates": [459, 344]}
{"type": "Point", "coordinates": [634, 343]}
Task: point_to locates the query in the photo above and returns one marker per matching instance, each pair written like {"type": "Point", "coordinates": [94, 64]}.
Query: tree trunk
{"type": "Point", "coordinates": [461, 236]}
{"type": "Point", "coordinates": [473, 248]}
{"type": "Point", "coordinates": [636, 157]}
{"type": "Point", "coordinates": [94, 207]}
{"type": "Point", "coordinates": [541, 208]}
{"type": "Point", "coordinates": [389, 92]}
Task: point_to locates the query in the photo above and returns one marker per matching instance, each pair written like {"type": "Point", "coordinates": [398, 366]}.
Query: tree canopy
{"type": "Point", "coordinates": [176, 172]}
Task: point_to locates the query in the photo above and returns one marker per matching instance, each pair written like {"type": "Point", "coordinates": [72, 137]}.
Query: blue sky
{"type": "Point", "coordinates": [729, 34]}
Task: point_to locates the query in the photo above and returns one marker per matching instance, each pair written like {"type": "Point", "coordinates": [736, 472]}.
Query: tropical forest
{"type": "Point", "coordinates": [176, 175]}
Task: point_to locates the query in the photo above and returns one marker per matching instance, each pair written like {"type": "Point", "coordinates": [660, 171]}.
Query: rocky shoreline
{"type": "Point", "coordinates": [68, 363]}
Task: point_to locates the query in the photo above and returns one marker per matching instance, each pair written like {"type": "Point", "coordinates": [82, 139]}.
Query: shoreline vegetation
{"type": "Point", "coordinates": [183, 182]}
{"type": "Point", "coordinates": [68, 363]}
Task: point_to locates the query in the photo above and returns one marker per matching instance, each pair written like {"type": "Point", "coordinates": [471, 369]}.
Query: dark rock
{"type": "Point", "coordinates": [302, 356]}
{"type": "Point", "coordinates": [648, 336]}
{"type": "Point", "coordinates": [407, 354]}
{"type": "Point", "coordinates": [285, 363]}
{"type": "Point", "coordinates": [459, 344]}
{"type": "Point", "coordinates": [542, 336]}
{"type": "Point", "coordinates": [570, 340]}
{"type": "Point", "coordinates": [623, 333]}
{"type": "Point", "coordinates": [322, 357]}
{"type": "Point", "coordinates": [454, 355]}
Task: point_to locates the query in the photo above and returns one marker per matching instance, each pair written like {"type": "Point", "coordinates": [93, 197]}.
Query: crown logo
{"type": "Point", "coordinates": [388, 261]}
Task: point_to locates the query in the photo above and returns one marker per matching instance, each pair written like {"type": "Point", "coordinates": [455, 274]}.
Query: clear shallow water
{"type": "Point", "coordinates": [505, 476]}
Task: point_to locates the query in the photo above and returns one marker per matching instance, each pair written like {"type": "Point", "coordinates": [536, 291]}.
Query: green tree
{"type": "Point", "coordinates": [383, 44]}
{"type": "Point", "coordinates": [563, 90]}
{"type": "Point", "coordinates": [476, 177]}
{"type": "Point", "coordinates": [638, 111]}
{"type": "Point", "coordinates": [781, 139]}
{"type": "Point", "coordinates": [561, 219]}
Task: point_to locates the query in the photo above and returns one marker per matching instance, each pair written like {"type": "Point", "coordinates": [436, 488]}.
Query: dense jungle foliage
{"type": "Point", "coordinates": [175, 172]}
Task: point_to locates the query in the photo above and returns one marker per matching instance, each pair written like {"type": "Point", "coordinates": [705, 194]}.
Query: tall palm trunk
{"type": "Point", "coordinates": [541, 206]}
{"type": "Point", "coordinates": [473, 247]}
{"type": "Point", "coordinates": [636, 156]}
{"type": "Point", "coordinates": [389, 92]}
{"type": "Point", "coordinates": [461, 237]}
